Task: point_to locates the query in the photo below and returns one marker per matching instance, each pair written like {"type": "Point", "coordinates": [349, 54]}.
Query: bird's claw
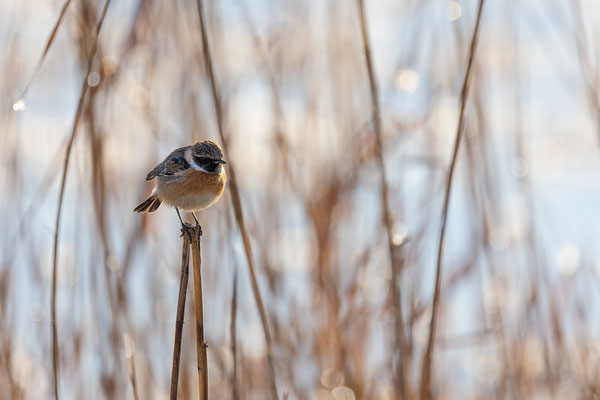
{"type": "Point", "coordinates": [185, 228]}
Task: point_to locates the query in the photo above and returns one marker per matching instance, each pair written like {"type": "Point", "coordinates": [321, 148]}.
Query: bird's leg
{"type": "Point", "coordinates": [179, 215]}
{"type": "Point", "coordinates": [184, 226]}
{"type": "Point", "coordinates": [197, 223]}
{"type": "Point", "coordinates": [195, 219]}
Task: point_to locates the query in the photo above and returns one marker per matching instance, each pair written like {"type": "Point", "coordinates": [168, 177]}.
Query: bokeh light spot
{"type": "Point", "coordinates": [453, 10]}
{"type": "Point", "coordinates": [568, 259]}
{"type": "Point", "coordinates": [332, 378]}
{"type": "Point", "coordinates": [343, 393]}
{"type": "Point", "coordinates": [407, 80]}
{"type": "Point", "coordinates": [19, 105]}
{"type": "Point", "coordinates": [93, 79]}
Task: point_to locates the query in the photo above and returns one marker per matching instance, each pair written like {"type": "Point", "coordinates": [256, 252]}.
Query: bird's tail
{"type": "Point", "coordinates": [149, 206]}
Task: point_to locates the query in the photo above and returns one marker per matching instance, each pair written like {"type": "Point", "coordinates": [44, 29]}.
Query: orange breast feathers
{"type": "Point", "coordinates": [192, 190]}
{"type": "Point", "coordinates": [201, 183]}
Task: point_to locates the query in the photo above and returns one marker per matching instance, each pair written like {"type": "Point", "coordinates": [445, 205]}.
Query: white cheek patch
{"type": "Point", "coordinates": [194, 165]}
{"type": "Point", "coordinates": [197, 167]}
{"type": "Point", "coordinates": [191, 161]}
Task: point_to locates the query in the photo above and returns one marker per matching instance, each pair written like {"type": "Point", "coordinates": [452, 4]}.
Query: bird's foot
{"type": "Point", "coordinates": [187, 228]}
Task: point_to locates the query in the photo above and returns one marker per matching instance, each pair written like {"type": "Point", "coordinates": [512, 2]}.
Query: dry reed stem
{"type": "Point", "coordinates": [132, 377]}
{"type": "Point", "coordinates": [385, 211]}
{"type": "Point", "coordinates": [235, 392]}
{"type": "Point", "coordinates": [183, 284]}
{"type": "Point", "coordinates": [588, 71]}
{"type": "Point", "coordinates": [98, 189]}
{"type": "Point", "coordinates": [78, 113]}
{"type": "Point", "coordinates": [200, 343]}
{"type": "Point", "coordinates": [236, 202]}
{"type": "Point", "coordinates": [425, 392]}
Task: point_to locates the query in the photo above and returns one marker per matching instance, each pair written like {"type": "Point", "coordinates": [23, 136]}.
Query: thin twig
{"type": "Point", "coordinates": [183, 284]}
{"type": "Point", "coordinates": [385, 211]}
{"type": "Point", "coordinates": [46, 48]}
{"type": "Point", "coordinates": [78, 113]}
{"type": "Point", "coordinates": [426, 366]}
{"type": "Point", "coordinates": [200, 343]}
{"type": "Point", "coordinates": [236, 203]}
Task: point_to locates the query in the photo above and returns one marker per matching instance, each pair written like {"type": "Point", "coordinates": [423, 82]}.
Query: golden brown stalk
{"type": "Point", "coordinates": [235, 392]}
{"type": "Point", "coordinates": [236, 202]}
{"type": "Point", "coordinates": [426, 366]}
{"type": "Point", "coordinates": [132, 378]}
{"type": "Point", "coordinates": [78, 114]}
{"type": "Point", "coordinates": [183, 283]}
{"type": "Point", "coordinates": [385, 211]}
{"type": "Point", "coordinates": [200, 343]}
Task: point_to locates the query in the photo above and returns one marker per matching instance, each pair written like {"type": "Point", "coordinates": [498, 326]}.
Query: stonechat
{"type": "Point", "coordinates": [190, 178]}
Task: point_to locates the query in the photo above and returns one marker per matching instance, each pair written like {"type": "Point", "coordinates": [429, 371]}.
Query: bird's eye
{"type": "Point", "coordinates": [202, 160]}
{"type": "Point", "coordinates": [212, 167]}
{"type": "Point", "coordinates": [207, 164]}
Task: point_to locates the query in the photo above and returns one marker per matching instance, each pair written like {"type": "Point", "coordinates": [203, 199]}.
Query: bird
{"type": "Point", "coordinates": [191, 178]}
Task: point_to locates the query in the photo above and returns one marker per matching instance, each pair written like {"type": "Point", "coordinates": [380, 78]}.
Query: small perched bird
{"type": "Point", "coordinates": [190, 178]}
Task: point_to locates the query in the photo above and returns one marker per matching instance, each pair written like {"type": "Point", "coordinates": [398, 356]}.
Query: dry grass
{"type": "Point", "coordinates": [322, 265]}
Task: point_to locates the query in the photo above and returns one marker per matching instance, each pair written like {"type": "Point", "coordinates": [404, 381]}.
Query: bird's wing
{"type": "Point", "coordinates": [172, 165]}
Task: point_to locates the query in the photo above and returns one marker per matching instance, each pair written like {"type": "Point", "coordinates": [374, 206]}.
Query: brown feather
{"type": "Point", "coordinates": [163, 166]}
{"type": "Point", "coordinates": [148, 206]}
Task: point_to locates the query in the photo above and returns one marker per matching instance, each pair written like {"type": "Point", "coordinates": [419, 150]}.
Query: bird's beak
{"type": "Point", "coordinates": [222, 161]}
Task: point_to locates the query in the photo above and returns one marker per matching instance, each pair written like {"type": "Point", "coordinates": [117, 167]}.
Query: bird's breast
{"type": "Point", "coordinates": [191, 190]}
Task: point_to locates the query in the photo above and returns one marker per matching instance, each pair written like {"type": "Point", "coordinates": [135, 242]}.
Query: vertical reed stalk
{"type": "Point", "coordinates": [133, 379]}
{"type": "Point", "coordinates": [200, 343]}
{"type": "Point", "coordinates": [78, 113]}
{"type": "Point", "coordinates": [236, 202]}
{"type": "Point", "coordinates": [385, 210]}
{"type": "Point", "coordinates": [183, 283]}
{"type": "Point", "coordinates": [427, 357]}
{"type": "Point", "coordinates": [235, 392]}
{"type": "Point", "coordinates": [588, 71]}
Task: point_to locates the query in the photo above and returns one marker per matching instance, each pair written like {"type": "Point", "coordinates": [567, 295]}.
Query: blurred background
{"type": "Point", "coordinates": [520, 289]}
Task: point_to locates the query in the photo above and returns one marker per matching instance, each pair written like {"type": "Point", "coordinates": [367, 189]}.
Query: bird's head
{"type": "Point", "coordinates": [208, 156]}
